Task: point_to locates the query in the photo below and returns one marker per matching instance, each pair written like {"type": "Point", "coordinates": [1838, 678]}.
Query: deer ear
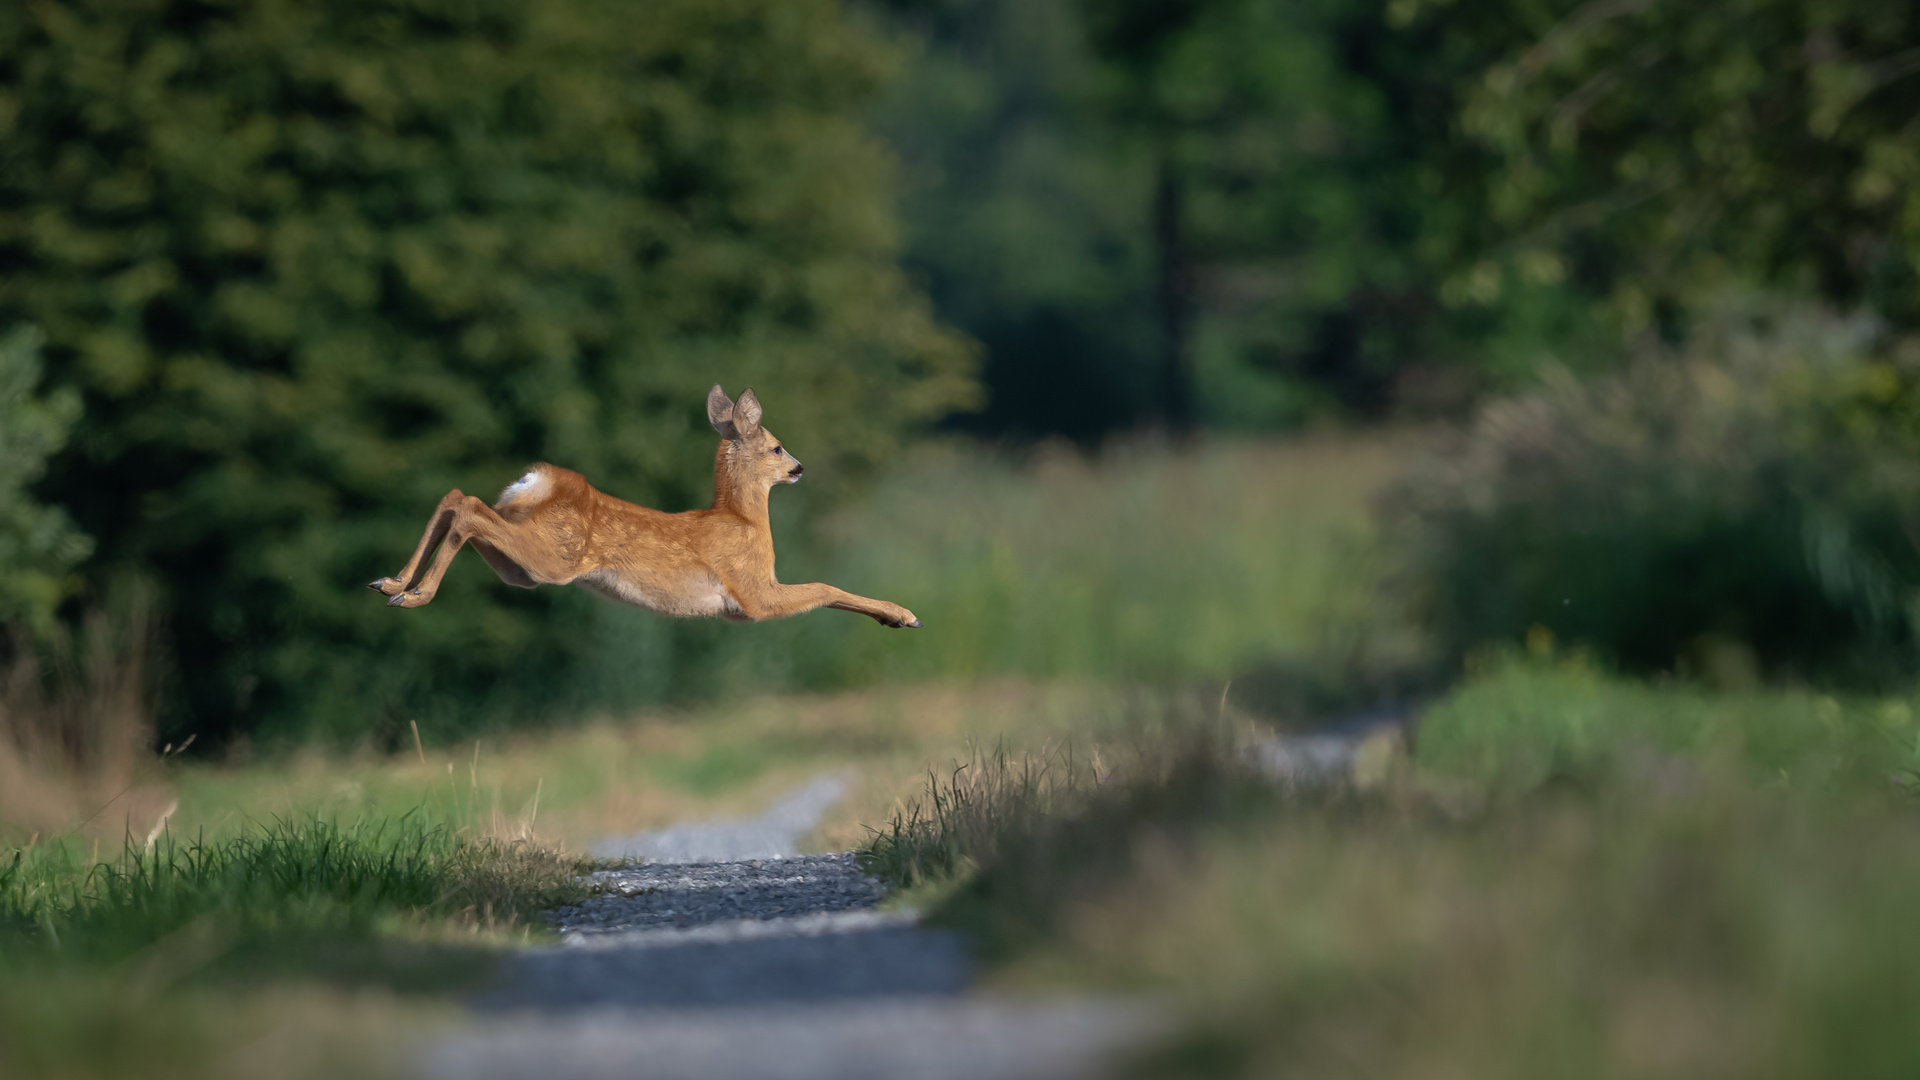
{"type": "Point", "coordinates": [720, 412]}
{"type": "Point", "coordinates": [746, 415]}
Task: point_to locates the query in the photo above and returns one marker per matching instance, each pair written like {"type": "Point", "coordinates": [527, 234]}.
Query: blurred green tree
{"type": "Point", "coordinates": [1025, 223]}
{"type": "Point", "coordinates": [313, 262]}
{"type": "Point", "coordinates": [39, 546]}
{"type": "Point", "coordinates": [1235, 212]}
{"type": "Point", "coordinates": [1678, 147]}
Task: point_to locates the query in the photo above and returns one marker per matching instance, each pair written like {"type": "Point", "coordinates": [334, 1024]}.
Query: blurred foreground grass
{"type": "Point", "coordinates": [1571, 875]}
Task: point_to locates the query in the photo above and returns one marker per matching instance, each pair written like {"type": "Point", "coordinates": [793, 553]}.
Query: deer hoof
{"type": "Point", "coordinates": [407, 599]}
{"type": "Point", "coordinates": [914, 625]}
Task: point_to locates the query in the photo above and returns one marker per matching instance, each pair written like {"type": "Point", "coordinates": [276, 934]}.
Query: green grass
{"type": "Point", "coordinates": [1574, 875]}
{"type": "Point", "coordinates": [283, 879]}
{"type": "Point", "coordinates": [1525, 723]}
{"type": "Point", "coordinates": [176, 940]}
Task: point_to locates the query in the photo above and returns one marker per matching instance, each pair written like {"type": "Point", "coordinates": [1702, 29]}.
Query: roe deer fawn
{"type": "Point", "coordinates": [551, 527]}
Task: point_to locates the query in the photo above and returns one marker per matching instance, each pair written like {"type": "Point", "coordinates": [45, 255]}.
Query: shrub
{"type": "Point", "coordinates": [1752, 495]}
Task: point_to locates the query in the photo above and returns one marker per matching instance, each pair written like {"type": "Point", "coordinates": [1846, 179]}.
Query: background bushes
{"type": "Point", "coordinates": [311, 264]}
{"type": "Point", "coordinates": [1752, 493]}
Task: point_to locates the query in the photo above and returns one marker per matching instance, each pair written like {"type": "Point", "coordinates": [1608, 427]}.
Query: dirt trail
{"type": "Point", "coordinates": [729, 956]}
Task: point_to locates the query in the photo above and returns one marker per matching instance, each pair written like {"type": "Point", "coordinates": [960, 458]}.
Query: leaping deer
{"type": "Point", "coordinates": [551, 527]}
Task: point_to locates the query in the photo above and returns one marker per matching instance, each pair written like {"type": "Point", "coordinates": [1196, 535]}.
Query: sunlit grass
{"type": "Point", "coordinates": [286, 878]}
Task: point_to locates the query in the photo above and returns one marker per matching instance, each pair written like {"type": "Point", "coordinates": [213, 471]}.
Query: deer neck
{"type": "Point", "coordinates": [748, 500]}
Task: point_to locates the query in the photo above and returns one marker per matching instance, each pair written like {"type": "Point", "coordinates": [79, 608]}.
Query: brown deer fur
{"type": "Point", "coordinates": [551, 527]}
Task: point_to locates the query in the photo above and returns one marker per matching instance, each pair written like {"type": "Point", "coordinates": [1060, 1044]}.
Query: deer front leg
{"type": "Point", "coordinates": [774, 600]}
{"type": "Point", "coordinates": [881, 611]}
{"type": "Point", "coordinates": [437, 526]}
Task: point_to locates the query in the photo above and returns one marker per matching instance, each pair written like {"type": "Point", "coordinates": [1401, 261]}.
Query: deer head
{"type": "Point", "coordinates": [751, 456]}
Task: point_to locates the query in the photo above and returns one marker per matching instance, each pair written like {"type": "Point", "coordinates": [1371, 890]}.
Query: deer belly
{"type": "Point", "coordinates": [688, 595]}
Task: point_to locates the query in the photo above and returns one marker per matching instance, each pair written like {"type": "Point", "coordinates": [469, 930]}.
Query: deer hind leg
{"type": "Point", "coordinates": [510, 572]}
{"type": "Point", "coordinates": [437, 525]}
{"type": "Point", "coordinates": [503, 544]}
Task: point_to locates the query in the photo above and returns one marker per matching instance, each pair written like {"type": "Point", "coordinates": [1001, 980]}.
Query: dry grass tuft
{"type": "Point", "coordinates": [76, 730]}
{"type": "Point", "coordinates": [498, 885]}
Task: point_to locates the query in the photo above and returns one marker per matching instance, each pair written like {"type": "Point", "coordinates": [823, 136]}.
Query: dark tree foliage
{"type": "Point", "coordinates": [38, 544]}
{"type": "Point", "coordinates": [313, 262]}
{"type": "Point", "coordinates": [1682, 146]}
{"type": "Point", "coordinates": [1025, 225]}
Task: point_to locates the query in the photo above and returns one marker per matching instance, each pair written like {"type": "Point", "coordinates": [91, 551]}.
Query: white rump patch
{"type": "Point", "coordinates": [534, 485]}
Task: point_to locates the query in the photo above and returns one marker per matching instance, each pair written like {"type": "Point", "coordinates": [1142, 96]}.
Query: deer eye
{"type": "Point", "coordinates": [777, 448]}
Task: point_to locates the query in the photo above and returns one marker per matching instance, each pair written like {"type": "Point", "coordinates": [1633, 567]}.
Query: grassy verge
{"type": "Point", "coordinates": [191, 952]}
{"type": "Point", "coordinates": [1574, 875]}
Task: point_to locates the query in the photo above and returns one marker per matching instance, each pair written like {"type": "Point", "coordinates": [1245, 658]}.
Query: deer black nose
{"type": "Point", "coordinates": [797, 469]}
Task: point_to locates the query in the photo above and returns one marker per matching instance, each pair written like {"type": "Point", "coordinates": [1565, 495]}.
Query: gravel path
{"type": "Point", "coordinates": [749, 966]}
{"type": "Point", "coordinates": [773, 835]}
{"type": "Point", "coordinates": [726, 955]}
{"type": "Point", "coordinates": [681, 895]}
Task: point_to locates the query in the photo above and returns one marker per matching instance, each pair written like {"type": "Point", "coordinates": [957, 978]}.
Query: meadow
{"type": "Point", "coordinates": [1558, 870]}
